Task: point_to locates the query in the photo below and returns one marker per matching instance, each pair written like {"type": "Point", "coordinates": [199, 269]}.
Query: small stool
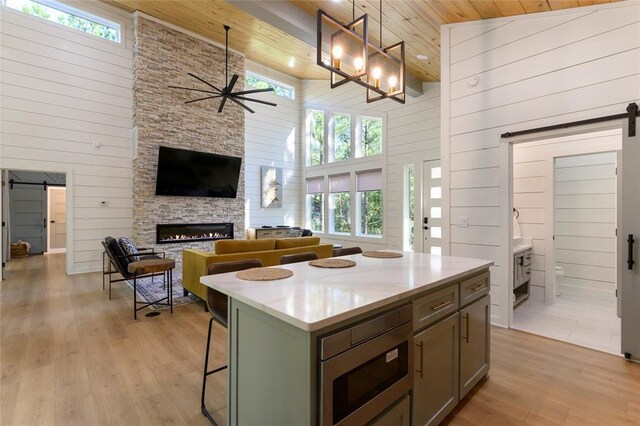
{"type": "Point", "coordinates": [152, 266]}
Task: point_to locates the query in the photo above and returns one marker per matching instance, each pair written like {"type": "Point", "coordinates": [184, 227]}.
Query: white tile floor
{"type": "Point", "coordinates": [584, 320]}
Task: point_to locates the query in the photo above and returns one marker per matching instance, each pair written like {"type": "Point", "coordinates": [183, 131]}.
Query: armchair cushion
{"type": "Point", "coordinates": [129, 248]}
{"type": "Point", "coordinates": [118, 254]}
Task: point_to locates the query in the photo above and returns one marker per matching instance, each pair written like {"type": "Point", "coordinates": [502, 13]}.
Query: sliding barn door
{"type": "Point", "coordinates": [628, 244]}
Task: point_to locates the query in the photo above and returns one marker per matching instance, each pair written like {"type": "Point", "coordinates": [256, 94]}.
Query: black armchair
{"type": "Point", "coordinates": [115, 260]}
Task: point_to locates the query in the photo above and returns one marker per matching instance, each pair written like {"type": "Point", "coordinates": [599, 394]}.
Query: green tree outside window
{"type": "Point", "coordinates": [370, 136]}
{"type": "Point", "coordinates": [342, 212]}
{"type": "Point", "coordinates": [317, 138]}
{"type": "Point", "coordinates": [341, 137]}
{"type": "Point", "coordinates": [371, 212]}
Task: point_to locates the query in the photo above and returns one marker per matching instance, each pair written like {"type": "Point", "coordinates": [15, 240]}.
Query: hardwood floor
{"type": "Point", "coordinates": [70, 356]}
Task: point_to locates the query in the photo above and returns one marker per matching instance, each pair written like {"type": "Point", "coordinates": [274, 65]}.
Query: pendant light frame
{"type": "Point", "coordinates": [350, 30]}
{"type": "Point", "coordinates": [394, 54]}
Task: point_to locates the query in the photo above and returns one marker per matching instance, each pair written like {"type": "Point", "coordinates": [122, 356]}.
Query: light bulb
{"type": "Point", "coordinates": [393, 81]}
{"type": "Point", "coordinates": [376, 73]}
{"type": "Point", "coordinates": [357, 64]}
{"type": "Point", "coordinates": [337, 53]}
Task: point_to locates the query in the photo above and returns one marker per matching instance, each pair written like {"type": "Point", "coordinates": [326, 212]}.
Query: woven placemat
{"type": "Point", "coordinates": [264, 274]}
{"type": "Point", "coordinates": [332, 263]}
{"type": "Point", "coordinates": [382, 254]}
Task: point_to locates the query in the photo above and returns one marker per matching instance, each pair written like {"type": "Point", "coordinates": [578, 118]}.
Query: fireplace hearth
{"type": "Point", "coordinates": [187, 232]}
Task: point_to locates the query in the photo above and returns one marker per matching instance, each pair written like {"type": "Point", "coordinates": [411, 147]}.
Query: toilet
{"type": "Point", "coordinates": [559, 277]}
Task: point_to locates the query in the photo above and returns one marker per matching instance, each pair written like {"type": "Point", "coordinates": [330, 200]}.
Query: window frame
{"type": "Point", "coordinates": [86, 14]}
{"type": "Point", "coordinates": [352, 166]}
{"type": "Point", "coordinates": [273, 82]}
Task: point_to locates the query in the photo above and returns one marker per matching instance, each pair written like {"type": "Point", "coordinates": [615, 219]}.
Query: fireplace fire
{"type": "Point", "coordinates": [186, 232]}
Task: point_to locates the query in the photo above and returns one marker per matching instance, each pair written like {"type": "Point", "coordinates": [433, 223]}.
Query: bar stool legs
{"type": "Point", "coordinates": [205, 374]}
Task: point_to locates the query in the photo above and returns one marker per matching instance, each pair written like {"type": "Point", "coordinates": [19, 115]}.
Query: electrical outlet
{"type": "Point", "coordinates": [463, 221]}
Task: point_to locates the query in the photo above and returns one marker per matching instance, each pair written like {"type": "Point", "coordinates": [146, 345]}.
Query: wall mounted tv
{"type": "Point", "coordinates": [196, 174]}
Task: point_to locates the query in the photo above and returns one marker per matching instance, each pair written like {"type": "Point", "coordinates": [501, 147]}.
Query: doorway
{"type": "Point", "coordinates": [32, 202]}
{"type": "Point", "coordinates": [57, 217]}
{"type": "Point", "coordinates": [564, 193]}
{"type": "Point", "coordinates": [432, 207]}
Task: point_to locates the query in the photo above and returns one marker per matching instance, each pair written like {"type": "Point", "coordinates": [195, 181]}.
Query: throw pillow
{"type": "Point", "coordinates": [129, 249]}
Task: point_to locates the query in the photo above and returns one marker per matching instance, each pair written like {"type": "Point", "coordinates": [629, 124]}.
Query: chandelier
{"type": "Point", "coordinates": [345, 50]}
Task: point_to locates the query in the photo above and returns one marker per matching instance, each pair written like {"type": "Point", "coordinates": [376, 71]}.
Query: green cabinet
{"type": "Point", "coordinates": [435, 383]}
{"type": "Point", "coordinates": [474, 344]}
{"type": "Point", "coordinates": [397, 415]}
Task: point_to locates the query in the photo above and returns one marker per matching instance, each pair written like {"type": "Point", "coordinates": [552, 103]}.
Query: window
{"type": "Point", "coordinates": [68, 16]}
{"type": "Point", "coordinates": [315, 204]}
{"type": "Point", "coordinates": [279, 89]}
{"type": "Point", "coordinates": [340, 204]}
{"type": "Point", "coordinates": [343, 149]}
{"type": "Point", "coordinates": [316, 136]}
{"type": "Point", "coordinates": [369, 188]}
{"type": "Point", "coordinates": [370, 140]}
{"type": "Point", "coordinates": [341, 137]}
{"type": "Point", "coordinates": [409, 208]}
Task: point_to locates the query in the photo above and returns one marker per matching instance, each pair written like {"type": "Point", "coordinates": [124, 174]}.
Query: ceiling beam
{"type": "Point", "coordinates": [288, 18]}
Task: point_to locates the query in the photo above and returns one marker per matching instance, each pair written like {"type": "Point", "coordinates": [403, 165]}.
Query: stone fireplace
{"type": "Point", "coordinates": [163, 56]}
{"type": "Point", "coordinates": [185, 232]}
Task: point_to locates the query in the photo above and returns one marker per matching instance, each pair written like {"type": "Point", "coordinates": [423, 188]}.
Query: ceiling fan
{"type": "Point", "coordinates": [227, 92]}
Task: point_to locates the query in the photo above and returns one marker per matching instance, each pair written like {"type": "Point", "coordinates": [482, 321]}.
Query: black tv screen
{"type": "Point", "coordinates": [196, 174]}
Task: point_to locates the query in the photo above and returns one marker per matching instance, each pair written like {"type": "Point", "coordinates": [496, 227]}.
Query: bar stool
{"type": "Point", "coordinates": [346, 251]}
{"type": "Point", "coordinates": [217, 303]}
{"type": "Point", "coordinates": [152, 266]}
{"type": "Point", "coordinates": [298, 257]}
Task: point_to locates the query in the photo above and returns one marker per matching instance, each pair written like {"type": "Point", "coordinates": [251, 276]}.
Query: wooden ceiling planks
{"type": "Point", "coordinates": [417, 22]}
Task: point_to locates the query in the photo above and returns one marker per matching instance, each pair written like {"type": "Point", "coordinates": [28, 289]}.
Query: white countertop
{"type": "Point", "coordinates": [314, 298]}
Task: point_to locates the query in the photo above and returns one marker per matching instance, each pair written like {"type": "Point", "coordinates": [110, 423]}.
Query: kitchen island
{"type": "Point", "coordinates": [278, 331]}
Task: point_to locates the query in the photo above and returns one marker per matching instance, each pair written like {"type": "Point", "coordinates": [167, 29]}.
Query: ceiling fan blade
{"type": "Point", "coordinates": [204, 81]}
{"type": "Point", "coordinates": [242, 105]}
{"type": "Point", "coordinates": [247, 92]}
{"type": "Point", "coordinates": [203, 99]}
{"type": "Point", "coordinates": [195, 90]}
{"type": "Point", "coordinates": [224, 100]}
{"type": "Point", "coordinates": [232, 83]}
{"type": "Point", "coordinates": [253, 100]}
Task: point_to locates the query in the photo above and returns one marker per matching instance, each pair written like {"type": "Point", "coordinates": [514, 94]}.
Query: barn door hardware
{"type": "Point", "coordinates": [631, 114]}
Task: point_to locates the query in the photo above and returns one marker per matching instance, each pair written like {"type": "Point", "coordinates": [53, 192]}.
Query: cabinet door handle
{"type": "Point", "coordinates": [630, 260]}
{"type": "Point", "coordinates": [441, 306]}
{"type": "Point", "coordinates": [466, 328]}
{"type": "Point", "coordinates": [479, 287]}
{"type": "Point", "coordinates": [421, 346]}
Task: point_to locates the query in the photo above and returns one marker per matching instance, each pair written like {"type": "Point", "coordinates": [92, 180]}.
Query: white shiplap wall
{"type": "Point", "coordinates": [533, 196]}
{"type": "Point", "coordinates": [272, 138]}
{"type": "Point", "coordinates": [532, 71]}
{"type": "Point", "coordinates": [585, 223]}
{"type": "Point", "coordinates": [63, 91]}
{"type": "Point", "coordinates": [412, 136]}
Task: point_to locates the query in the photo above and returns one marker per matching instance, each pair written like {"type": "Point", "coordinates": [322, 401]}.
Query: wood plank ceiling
{"type": "Point", "coordinates": [417, 22]}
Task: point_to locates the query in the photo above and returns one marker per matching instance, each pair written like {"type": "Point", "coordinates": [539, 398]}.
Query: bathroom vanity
{"type": "Point", "coordinates": [303, 350]}
{"type": "Point", "coordinates": [521, 273]}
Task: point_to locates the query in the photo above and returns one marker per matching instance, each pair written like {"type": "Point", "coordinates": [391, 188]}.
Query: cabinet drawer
{"type": "Point", "coordinates": [474, 288]}
{"type": "Point", "coordinates": [264, 233]}
{"type": "Point", "coordinates": [527, 273]}
{"type": "Point", "coordinates": [434, 306]}
{"type": "Point", "coordinates": [280, 233]}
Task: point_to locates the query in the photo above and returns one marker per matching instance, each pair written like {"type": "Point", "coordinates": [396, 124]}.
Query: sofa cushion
{"type": "Point", "coordinates": [244, 246]}
{"type": "Point", "coordinates": [285, 243]}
